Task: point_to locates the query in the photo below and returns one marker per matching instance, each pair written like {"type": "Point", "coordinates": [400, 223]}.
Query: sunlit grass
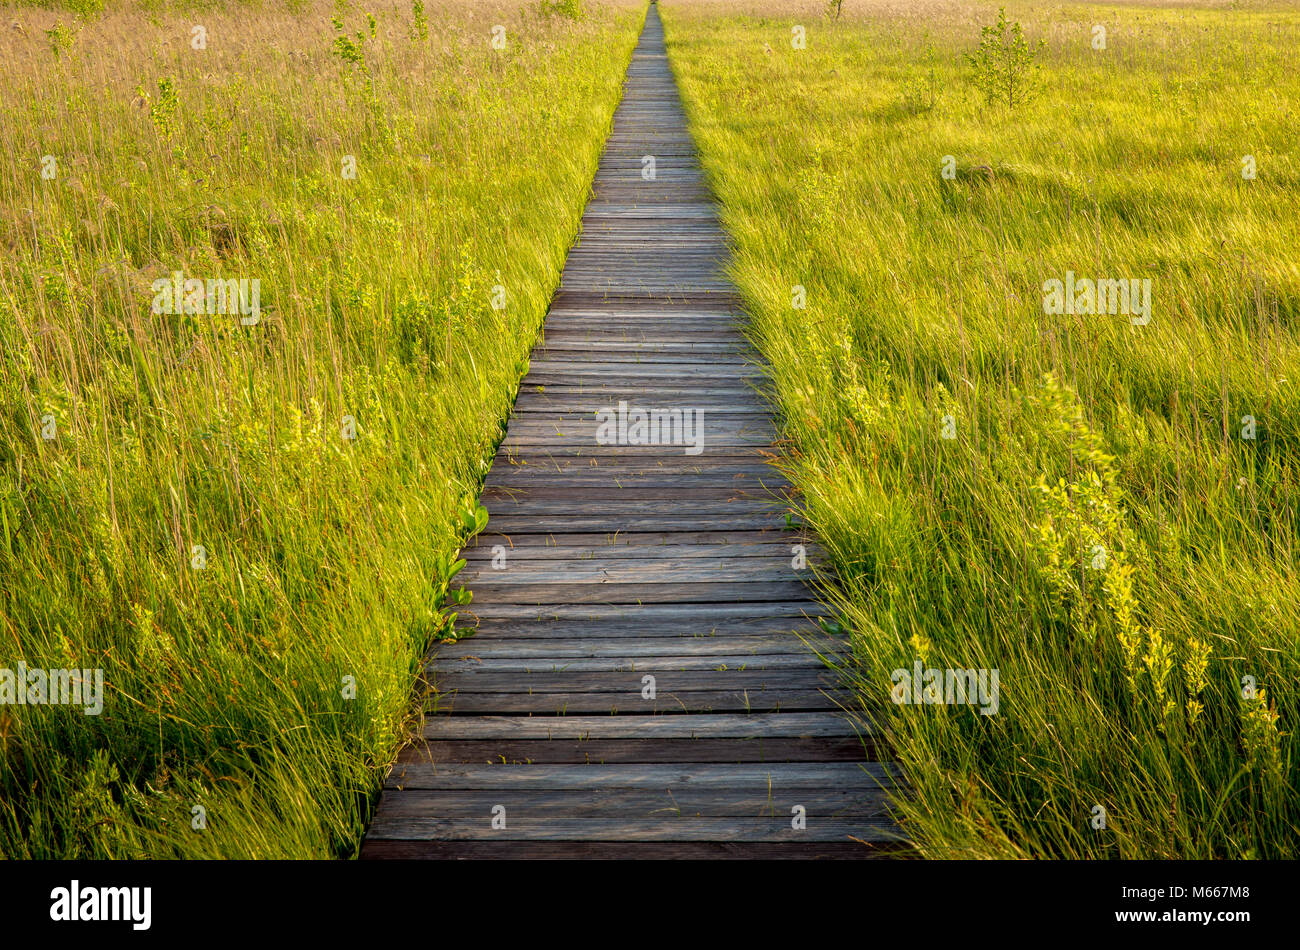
{"type": "Point", "coordinates": [230, 688]}
{"type": "Point", "coordinates": [1100, 528]}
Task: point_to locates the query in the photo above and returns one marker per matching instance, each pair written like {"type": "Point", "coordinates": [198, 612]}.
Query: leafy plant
{"type": "Point", "coordinates": [571, 9]}
{"type": "Point", "coordinates": [419, 321]}
{"type": "Point", "coordinates": [61, 38]}
{"type": "Point", "coordinates": [85, 9]}
{"type": "Point", "coordinates": [919, 93]}
{"type": "Point", "coordinates": [420, 21]}
{"type": "Point", "coordinates": [474, 518]}
{"type": "Point", "coordinates": [351, 49]}
{"type": "Point", "coordinates": [163, 110]}
{"type": "Point", "coordinates": [1004, 61]}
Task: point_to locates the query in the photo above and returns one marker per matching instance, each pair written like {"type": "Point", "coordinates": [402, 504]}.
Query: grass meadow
{"type": "Point", "coordinates": [1102, 508]}
{"type": "Point", "coordinates": [250, 521]}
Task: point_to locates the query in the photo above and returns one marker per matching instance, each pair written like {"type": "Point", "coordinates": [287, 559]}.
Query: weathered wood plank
{"type": "Point", "coordinates": [631, 455]}
{"type": "Point", "coordinates": [521, 571]}
{"type": "Point", "coordinates": [695, 439]}
{"type": "Point", "coordinates": [695, 701]}
{"type": "Point", "coordinates": [642, 751]}
{"type": "Point", "coordinates": [629, 828]}
{"type": "Point", "coordinates": [641, 592]}
{"type": "Point", "coordinates": [700, 726]}
{"type": "Point", "coordinates": [715, 555]}
{"type": "Point", "coordinates": [752, 466]}
{"type": "Point", "coordinates": [820, 802]}
{"type": "Point", "coordinates": [563, 644]}
{"type": "Point", "coordinates": [610, 485]}
{"type": "Point", "coordinates": [605, 630]}
{"type": "Point", "coordinates": [777, 775]}
{"type": "Point", "coordinates": [522, 524]}
{"type": "Point", "coordinates": [405, 850]}
{"type": "Point", "coordinates": [562, 488]}
{"type": "Point", "coordinates": [668, 681]}
{"type": "Point", "coordinates": [638, 664]}
{"type": "Point", "coordinates": [702, 613]}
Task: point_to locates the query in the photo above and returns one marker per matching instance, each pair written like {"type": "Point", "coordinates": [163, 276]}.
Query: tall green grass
{"type": "Point", "coordinates": [1098, 528]}
{"type": "Point", "coordinates": [270, 688]}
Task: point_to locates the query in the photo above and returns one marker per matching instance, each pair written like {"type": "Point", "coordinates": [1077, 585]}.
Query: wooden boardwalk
{"type": "Point", "coordinates": [608, 569]}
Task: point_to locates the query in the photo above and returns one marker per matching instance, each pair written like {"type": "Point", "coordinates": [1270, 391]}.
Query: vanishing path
{"type": "Point", "coordinates": [623, 562]}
